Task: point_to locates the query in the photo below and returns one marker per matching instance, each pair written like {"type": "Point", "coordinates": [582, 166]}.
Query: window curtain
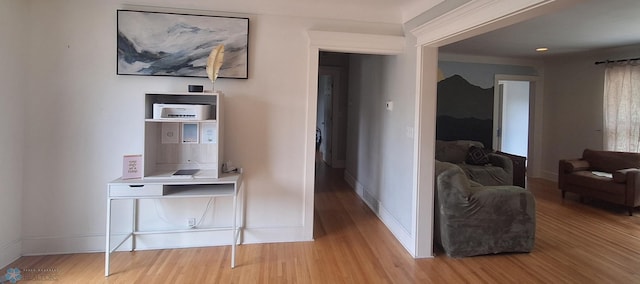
{"type": "Point", "coordinates": [622, 107]}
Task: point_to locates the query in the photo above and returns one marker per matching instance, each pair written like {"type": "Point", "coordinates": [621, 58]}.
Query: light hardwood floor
{"type": "Point", "coordinates": [575, 243]}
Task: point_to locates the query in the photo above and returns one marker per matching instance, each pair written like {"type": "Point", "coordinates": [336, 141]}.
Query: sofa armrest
{"type": "Point", "coordinates": [486, 203]}
{"type": "Point", "coordinates": [494, 219]}
{"type": "Point", "coordinates": [631, 179]}
{"type": "Point", "coordinates": [569, 166]}
{"type": "Point", "coordinates": [621, 176]}
{"type": "Point", "coordinates": [503, 200]}
{"type": "Point", "coordinates": [501, 161]}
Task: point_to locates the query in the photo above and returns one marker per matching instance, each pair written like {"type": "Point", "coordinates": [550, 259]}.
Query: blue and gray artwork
{"type": "Point", "coordinates": [179, 45]}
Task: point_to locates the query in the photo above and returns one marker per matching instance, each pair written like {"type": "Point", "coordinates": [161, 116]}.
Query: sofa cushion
{"type": "Point", "coordinates": [587, 179]}
{"type": "Point", "coordinates": [454, 151]}
{"type": "Point", "coordinates": [477, 156]}
{"type": "Point", "coordinates": [469, 143]}
{"type": "Point", "coordinates": [488, 175]}
{"type": "Point", "coordinates": [608, 161]}
{"type": "Point", "coordinates": [451, 151]}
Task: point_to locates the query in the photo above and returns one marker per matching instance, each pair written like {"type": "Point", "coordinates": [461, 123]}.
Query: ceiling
{"type": "Point", "coordinates": [586, 26]}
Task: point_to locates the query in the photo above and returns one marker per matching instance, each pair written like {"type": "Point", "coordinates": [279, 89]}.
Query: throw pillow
{"type": "Point", "coordinates": [477, 156]}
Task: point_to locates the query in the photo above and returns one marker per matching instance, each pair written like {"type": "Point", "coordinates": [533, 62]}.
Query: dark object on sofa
{"type": "Point", "coordinates": [605, 175]}
{"type": "Point", "coordinates": [519, 168]}
{"type": "Point", "coordinates": [497, 171]}
{"type": "Point", "coordinates": [471, 219]}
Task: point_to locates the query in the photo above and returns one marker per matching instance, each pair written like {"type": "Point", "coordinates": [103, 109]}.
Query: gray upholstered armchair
{"type": "Point", "coordinates": [471, 219]}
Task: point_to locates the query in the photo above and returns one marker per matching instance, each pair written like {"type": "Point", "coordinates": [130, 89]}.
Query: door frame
{"type": "Point", "coordinates": [534, 151]}
{"type": "Point", "coordinates": [335, 42]}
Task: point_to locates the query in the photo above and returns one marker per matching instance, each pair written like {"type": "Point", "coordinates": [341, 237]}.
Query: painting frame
{"type": "Point", "coordinates": [178, 45]}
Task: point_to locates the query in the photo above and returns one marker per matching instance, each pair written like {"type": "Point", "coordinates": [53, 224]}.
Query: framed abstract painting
{"type": "Point", "coordinates": [167, 44]}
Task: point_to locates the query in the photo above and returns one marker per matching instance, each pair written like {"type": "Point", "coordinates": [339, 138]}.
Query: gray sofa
{"type": "Point", "coordinates": [471, 219]}
{"type": "Point", "coordinates": [498, 169]}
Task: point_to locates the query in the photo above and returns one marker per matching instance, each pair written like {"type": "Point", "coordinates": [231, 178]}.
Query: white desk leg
{"type": "Point", "coordinates": [243, 201]}
{"type": "Point", "coordinates": [107, 251]}
{"type": "Point", "coordinates": [134, 224]}
{"type": "Point", "coordinates": [235, 227]}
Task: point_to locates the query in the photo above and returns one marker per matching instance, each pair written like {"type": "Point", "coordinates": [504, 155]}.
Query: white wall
{"type": "Point", "coordinates": [82, 118]}
{"type": "Point", "coordinates": [573, 117]}
{"type": "Point", "coordinates": [379, 141]}
{"type": "Point", "coordinates": [13, 78]}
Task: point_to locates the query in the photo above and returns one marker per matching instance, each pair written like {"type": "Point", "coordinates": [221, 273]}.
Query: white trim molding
{"type": "Point", "coordinates": [360, 43]}
{"type": "Point", "coordinates": [479, 16]}
{"type": "Point", "coordinates": [424, 145]}
{"type": "Point", "coordinates": [10, 252]}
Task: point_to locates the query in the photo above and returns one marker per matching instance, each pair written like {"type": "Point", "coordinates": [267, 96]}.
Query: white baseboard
{"type": "Point", "coordinates": [10, 252]}
{"type": "Point", "coordinates": [552, 176]}
{"type": "Point", "coordinates": [351, 181]}
{"type": "Point", "coordinates": [383, 214]}
{"type": "Point", "coordinates": [339, 164]}
{"type": "Point", "coordinates": [397, 229]}
{"type": "Point", "coordinates": [275, 235]}
{"type": "Point", "coordinates": [45, 245]}
{"type": "Point", "coordinates": [96, 243]}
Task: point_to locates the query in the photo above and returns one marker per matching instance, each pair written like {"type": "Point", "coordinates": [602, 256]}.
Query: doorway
{"type": "Point", "coordinates": [511, 117]}
{"type": "Point", "coordinates": [324, 122]}
{"type": "Point", "coordinates": [331, 120]}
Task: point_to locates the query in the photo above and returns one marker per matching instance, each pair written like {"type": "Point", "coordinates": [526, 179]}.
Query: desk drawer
{"type": "Point", "coordinates": [116, 190]}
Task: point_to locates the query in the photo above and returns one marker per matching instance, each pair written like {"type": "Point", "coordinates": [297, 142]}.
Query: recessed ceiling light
{"type": "Point", "coordinates": [542, 49]}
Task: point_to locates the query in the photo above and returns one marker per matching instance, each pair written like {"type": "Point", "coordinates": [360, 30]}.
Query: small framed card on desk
{"type": "Point", "coordinates": [132, 167]}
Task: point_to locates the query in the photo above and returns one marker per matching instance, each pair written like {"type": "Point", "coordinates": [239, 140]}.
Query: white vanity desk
{"type": "Point", "coordinates": [228, 185]}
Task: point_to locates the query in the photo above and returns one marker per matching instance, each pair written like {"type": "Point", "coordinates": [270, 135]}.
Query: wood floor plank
{"type": "Point", "coordinates": [591, 242]}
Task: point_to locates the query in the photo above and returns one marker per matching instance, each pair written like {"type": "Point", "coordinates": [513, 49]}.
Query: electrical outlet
{"type": "Point", "coordinates": [191, 222]}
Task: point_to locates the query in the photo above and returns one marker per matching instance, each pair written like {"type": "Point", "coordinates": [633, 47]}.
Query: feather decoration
{"type": "Point", "coordinates": [214, 62]}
